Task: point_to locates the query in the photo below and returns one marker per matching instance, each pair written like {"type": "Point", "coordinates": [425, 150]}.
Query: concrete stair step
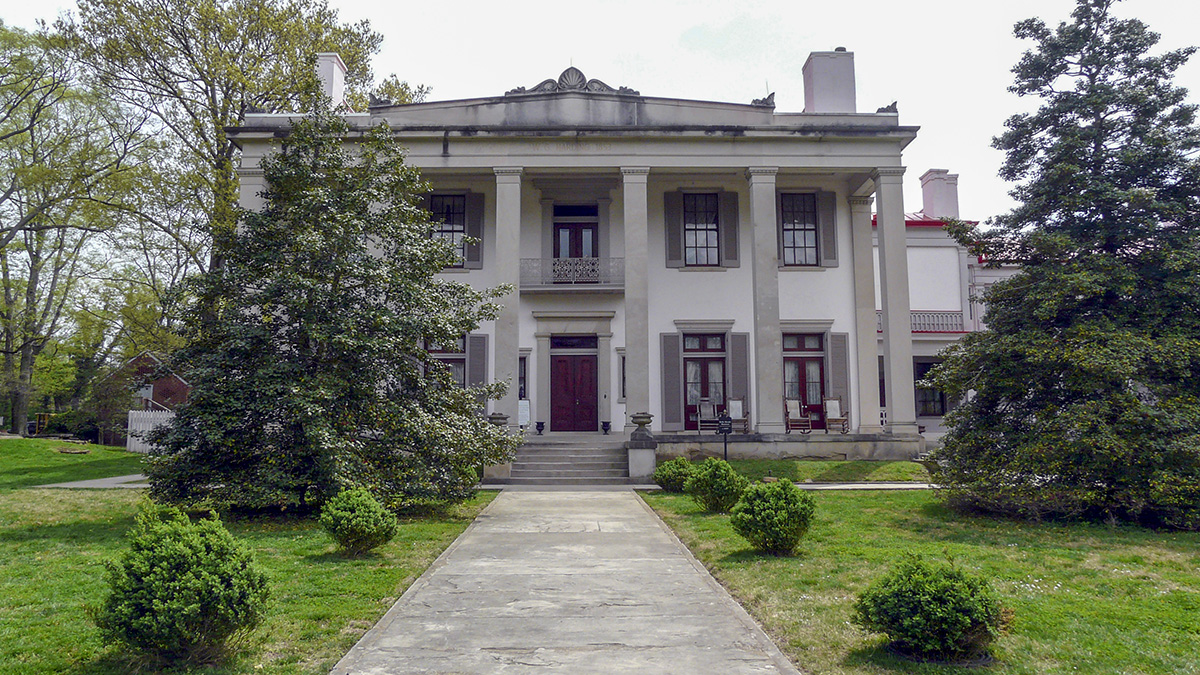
{"type": "Point", "coordinates": [570, 473]}
{"type": "Point", "coordinates": [568, 481]}
{"type": "Point", "coordinates": [582, 466]}
{"type": "Point", "coordinates": [572, 457]}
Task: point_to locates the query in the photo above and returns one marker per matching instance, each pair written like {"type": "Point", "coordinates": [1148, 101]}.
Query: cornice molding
{"type": "Point", "coordinates": [887, 172]}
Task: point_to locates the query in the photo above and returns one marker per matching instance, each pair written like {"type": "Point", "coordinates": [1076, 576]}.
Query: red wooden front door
{"type": "Point", "coordinates": [573, 393]}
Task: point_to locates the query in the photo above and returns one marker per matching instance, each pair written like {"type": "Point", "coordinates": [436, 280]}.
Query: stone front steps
{"type": "Point", "coordinates": [571, 459]}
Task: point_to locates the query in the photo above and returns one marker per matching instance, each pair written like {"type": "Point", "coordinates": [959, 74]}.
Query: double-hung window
{"type": "Point", "coordinates": [450, 217]}
{"type": "Point", "coordinates": [798, 219]}
{"type": "Point", "coordinates": [700, 230]}
{"type": "Point", "coordinates": [807, 229]}
{"type": "Point", "coordinates": [453, 356]}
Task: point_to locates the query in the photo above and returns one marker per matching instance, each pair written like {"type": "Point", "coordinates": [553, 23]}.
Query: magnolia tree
{"type": "Point", "coordinates": [1083, 396]}
{"type": "Point", "coordinates": [306, 349]}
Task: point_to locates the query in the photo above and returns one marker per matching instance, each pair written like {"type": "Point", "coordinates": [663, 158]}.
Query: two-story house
{"type": "Point", "coordinates": [666, 253]}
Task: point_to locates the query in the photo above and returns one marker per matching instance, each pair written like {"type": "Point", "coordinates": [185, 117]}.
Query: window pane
{"type": "Point", "coordinates": [715, 342]}
{"type": "Point", "coordinates": [812, 379]}
{"type": "Point", "coordinates": [716, 382]}
{"type": "Point", "coordinates": [691, 342]}
{"type": "Point", "coordinates": [812, 341]}
{"type": "Point", "coordinates": [693, 381]}
{"type": "Point", "coordinates": [791, 379]}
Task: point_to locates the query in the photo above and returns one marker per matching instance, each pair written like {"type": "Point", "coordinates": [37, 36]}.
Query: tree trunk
{"type": "Point", "coordinates": [21, 390]}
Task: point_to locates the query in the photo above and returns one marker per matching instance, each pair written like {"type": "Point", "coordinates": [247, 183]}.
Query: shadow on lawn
{"type": "Point", "coordinates": [61, 473]}
{"type": "Point", "coordinates": [877, 655]}
{"type": "Point", "coordinates": [118, 663]}
{"type": "Point", "coordinates": [90, 532]}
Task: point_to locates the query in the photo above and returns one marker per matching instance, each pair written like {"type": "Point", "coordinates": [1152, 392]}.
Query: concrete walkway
{"type": "Point", "coordinates": [568, 582]}
{"type": "Point", "coordinates": [135, 480]}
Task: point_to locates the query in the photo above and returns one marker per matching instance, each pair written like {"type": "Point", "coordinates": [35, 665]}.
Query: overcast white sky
{"type": "Point", "coordinates": [947, 62]}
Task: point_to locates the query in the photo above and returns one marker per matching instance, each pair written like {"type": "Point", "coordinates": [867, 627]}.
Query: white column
{"type": "Point", "coordinates": [866, 342]}
{"type": "Point", "coordinates": [768, 339]}
{"type": "Point", "coordinates": [508, 271]}
{"type": "Point", "coordinates": [637, 295]}
{"type": "Point", "coordinates": [897, 324]}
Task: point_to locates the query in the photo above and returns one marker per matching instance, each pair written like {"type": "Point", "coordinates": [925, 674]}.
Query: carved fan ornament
{"type": "Point", "coordinates": [572, 79]}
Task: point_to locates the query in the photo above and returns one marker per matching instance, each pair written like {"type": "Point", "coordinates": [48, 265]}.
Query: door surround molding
{"type": "Point", "coordinates": [567, 322]}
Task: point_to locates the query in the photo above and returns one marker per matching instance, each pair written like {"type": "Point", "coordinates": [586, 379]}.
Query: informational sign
{"type": "Point", "coordinates": [523, 412]}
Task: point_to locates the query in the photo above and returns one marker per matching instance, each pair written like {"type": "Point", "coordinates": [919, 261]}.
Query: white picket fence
{"type": "Point", "coordinates": [140, 423]}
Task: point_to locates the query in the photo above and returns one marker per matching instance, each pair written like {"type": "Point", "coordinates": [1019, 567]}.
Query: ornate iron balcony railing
{"type": "Point", "coordinates": [545, 273]}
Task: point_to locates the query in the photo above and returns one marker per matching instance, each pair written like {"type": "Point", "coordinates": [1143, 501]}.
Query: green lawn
{"type": "Point", "coordinates": [53, 544]}
{"type": "Point", "coordinates": [830, 471]}
{"type": "Point", "coordinates": [1088, 598]}
{"type": "Point", "coordinates": [25, 462]}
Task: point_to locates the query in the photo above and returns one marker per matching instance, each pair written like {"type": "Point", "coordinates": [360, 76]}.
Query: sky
{"type": "Point", "coordinates": [947, 63]}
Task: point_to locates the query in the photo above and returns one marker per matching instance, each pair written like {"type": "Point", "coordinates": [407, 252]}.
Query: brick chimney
{"type": "Point", "coordinates": [332, 73]}
{"type": "Point", "coordinates": [829, 82]}
{"type": "Point", "coordinates": [939, 194]}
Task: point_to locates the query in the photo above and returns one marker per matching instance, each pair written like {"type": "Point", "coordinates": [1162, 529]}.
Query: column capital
{"type": "Point", "coordinates": [635, 174]}
{"type": "Point", "coordinates": [860, 203]}
{"type": "Point", "coordinates": [761, 173]}
{"type": "Point", "coordinates": [508, 174]}
{"type": "Point", "coordinates": [887, 174]}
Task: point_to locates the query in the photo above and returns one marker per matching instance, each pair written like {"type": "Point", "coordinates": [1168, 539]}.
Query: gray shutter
{"type": "Point", "coordinates": [778, 227]}
{"type": "Point", "coordinates": [839, 368]}
{"type": "Point", "coordinates": [473, 254]}
{"type": "Point", "coordinates": [727, 227]}
{"type": "Point", "coordinates": [672, 382]}
{"type": "Point", "coordinates": [739, 367]}
{"type": "Point", "coordinates": [827, 226]}
{"type": "Point", "coordinates": [477, 359]}
{"type": "Point", "coordinates": [673, 222]}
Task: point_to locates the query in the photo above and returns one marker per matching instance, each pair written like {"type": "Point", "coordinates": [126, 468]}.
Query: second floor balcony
{"type": "Point", "coordinates": [572, 275]}
{"type": "Point", "coordinates": [929, 322]}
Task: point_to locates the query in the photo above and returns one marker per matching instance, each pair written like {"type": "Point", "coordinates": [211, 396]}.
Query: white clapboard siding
{"type": "Point", "coordinates": [140, 423]}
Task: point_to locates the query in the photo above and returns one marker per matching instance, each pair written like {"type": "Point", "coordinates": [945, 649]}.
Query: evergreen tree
{"type": "Point", "coordinates": [306, 350]}
{"type": "Point", "coordinates": [1083, 396]}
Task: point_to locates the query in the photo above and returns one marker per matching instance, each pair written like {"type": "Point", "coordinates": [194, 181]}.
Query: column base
{"type": "Point", "coordinates": [902, 429]}
{"type": "Point", "coordinates": [870, 429]}
{"type": "Point", "coordinates": [771, 428]}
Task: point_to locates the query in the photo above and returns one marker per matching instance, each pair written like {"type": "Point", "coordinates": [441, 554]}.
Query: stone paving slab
{"type": "Point", "coordinates": [565, 582]}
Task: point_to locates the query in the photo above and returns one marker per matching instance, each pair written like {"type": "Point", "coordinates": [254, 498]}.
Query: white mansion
{"type": "Point", "coordinates": [667, 252]}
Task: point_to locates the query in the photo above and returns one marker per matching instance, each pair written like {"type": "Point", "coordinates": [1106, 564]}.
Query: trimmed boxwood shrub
{"type": "Point", "coordinates": [773, 516]}
{"type": "Point", "coordinates": [357, 522]}
{"type": "Point", "coordinates": [673, 474]}
{"type": "Point", "coordinates": [933, 610]}
{"type": "Point", "coordinates": [182, 590]}
{"type": "Point", "coordinates": [715, 485]}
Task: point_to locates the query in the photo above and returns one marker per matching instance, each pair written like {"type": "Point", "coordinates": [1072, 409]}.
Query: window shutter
{"type": "Point", "coordinates": [827, 223]}
{"type": "Point", "coordinates": [672, 381]}
{"type": "Point", "coordinates": [477, 359]}
{"type": "Point", "coordinates": [673, 221]}
{"type": "Point", "coordinates": [778, 227]}
{"type": "Point", "coordinates": [739, 367]}
{"type": "Point", "coordinates": [839, 368]}
{"type": "Point", "coordinates": [727, 227]}
{"type": "Point", "coordinates": [473, 253]}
